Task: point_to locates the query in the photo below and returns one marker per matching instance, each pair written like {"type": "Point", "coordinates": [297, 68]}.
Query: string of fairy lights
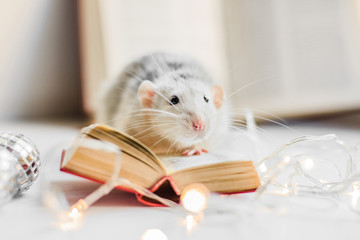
{"type": "Point", "coordinates": [309, 165]}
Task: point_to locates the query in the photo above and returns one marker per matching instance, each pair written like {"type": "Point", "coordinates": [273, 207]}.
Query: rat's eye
{"type": "Point", "coordinates": [206, 99]}
{"type": "Point", "coordinates": [174, 100]}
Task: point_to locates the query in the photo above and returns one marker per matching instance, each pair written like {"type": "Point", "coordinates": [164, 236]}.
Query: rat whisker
{"type": "Point", "coordinates": [270, 114]}
{"type": "Point", "coordinates": [177, 148]}
{"type": "Point", "coordinates": [162, 71]}
{"type": "Point", "coordinates": [262, 131]}
{"type": "Point", "coordinates": [278, 123]}
{"type": "Point", "coordinates": [146, 117]}
{"type": "Point", "coordinates": [152, 115]}
{"type": "Point", "coordinates": [152, 126]}
{"type": "Point", "coordinates": [160, 111]}
{"type": "Point", "coordinates": [275, 122]}
{"type": "Point", "coordinates": [153, 110]}
{"type": "Point", "coordinates": [129, 128]}
{"type": "Point", "coordinates": [134, 76]}
{"type": "Point", "coordinates": [156, 135]}
{"type": "Point", "coordinates": [171, 146]}
{"type": "Point", "coordinates": [153, 135]}
{"type": "Point", "coordinates": [248, 85]}
{"type": "Point", "coordinates": [154, 120]}
{"type": "Point", "coordinates": [145, 126]}
{"type": "Point", "coordinates": [242, 88]}
{"type": "Point", "coordinates": [126, 90]}
{"type": "Point", "coordinates": [239, 123]}
{"type": "Point", "coordinates": [114, 120]}
{"type": "Point", "coordinates": [146, 112]}
{"type": "Point", "coordinates": [157, 142]}
{"type": "Point", "coordinates": [241, 111]}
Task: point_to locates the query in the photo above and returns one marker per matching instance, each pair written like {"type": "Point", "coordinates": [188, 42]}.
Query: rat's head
{"type": "Point", "coordinates": [183, 111]}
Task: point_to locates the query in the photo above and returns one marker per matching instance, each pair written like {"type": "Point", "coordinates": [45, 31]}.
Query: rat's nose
{"type": "Point", "coordinates": [198, 124]}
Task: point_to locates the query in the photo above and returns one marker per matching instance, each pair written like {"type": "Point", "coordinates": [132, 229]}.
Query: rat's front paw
{"type": "Point", "coordinates": [192, 152]}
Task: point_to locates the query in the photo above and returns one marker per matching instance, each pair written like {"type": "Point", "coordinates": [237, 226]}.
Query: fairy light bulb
{"type": "Point", "coordinates": [307, 164]}
{"type": "Point", "coordinates": [194, 198]}
{"type": "Point", "coordinates": [285, 191]}
{"type": "Point", "coordinates": [154, 234]}
{"type": "Point", "coordinates": [70, 220]}
{"type": "Point", "coordinates": [263, 168]}
{"type": "Point", "coordinates": [191, 222]}
{"type": "Point", "coordinates": [78, 208]}
{"type": "Point", "coordinates": [286, 159]}
{"type": "Point", "coordinates": [67, 224]}
{"type": "Point", "coordinates": [355, 194]}
{"type": "Point", "coordinates": [74, 212]}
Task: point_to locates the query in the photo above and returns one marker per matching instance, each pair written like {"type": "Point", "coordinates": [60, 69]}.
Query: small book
{"type": "Point", "coordinates": [165, 175]}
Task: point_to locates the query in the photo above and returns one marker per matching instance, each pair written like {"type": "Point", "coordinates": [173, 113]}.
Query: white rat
{"type": "Point", "coordinates": [178, 107]}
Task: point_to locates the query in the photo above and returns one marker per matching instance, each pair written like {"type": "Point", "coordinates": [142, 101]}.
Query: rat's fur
{"type": "Point", "coordinates": [155, 121]}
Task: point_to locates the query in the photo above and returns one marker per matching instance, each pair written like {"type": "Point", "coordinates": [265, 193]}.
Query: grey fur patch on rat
{"type": "Point", "coordinates": [150, 67]}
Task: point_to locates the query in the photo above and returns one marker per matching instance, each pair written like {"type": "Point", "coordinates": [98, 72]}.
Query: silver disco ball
{"type": "Point", "coordinates": [27, 158]}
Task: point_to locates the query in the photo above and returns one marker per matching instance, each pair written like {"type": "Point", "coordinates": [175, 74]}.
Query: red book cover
{"type": "Point", "coordinates": [164, 187]}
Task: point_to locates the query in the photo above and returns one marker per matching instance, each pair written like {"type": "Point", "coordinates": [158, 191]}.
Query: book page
{"type": "Point", "coordinates": [236, 147]}
{"type": "Point", "coordinates": [176, 163]}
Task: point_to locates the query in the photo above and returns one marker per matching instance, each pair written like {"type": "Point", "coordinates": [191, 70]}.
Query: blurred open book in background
{"type": "Point", "coordinates": [292, 58]}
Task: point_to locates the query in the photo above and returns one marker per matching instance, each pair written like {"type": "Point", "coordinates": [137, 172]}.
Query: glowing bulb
{"type": "Point", "coordinates": [307, 163]}
{"type": "Point", "coordinates": [322, 181]}
{"type": "Point", "coordinates": [154, 234]}
{"type": "Point", "coordinates": [355, 194]}
{"type": "Point", "coordinates": [263, 168]}
{"type": "Point", "coordinates": [70, 220]}
{"type": "Point", "coordinates": [356, 186]}
{"type": "Point", "coordinates": [286, 159]}
{"type": "Point", "coordinates": [77, 209]}
{"type": "Point", "coordinates": [194, 198]}
{"type": "Point", "coordinates": [74, 212]}
{"type": "Point", "coordinates": [190, 222]}
{"type": "Point", "coordinates": [285, 191]}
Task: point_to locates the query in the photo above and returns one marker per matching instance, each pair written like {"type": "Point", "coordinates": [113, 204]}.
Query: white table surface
{"type": "Point", "coordinates": [120, 216]}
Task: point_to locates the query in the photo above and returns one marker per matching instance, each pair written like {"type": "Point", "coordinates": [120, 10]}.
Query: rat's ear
{"type": "Point", "coordinates": [146, 93]}
{"type": "Point", "coordinates": [218, 94]}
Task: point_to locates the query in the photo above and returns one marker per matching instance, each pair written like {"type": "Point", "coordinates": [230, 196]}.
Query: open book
{"type": "Point", "coordinates": [167, 176]}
